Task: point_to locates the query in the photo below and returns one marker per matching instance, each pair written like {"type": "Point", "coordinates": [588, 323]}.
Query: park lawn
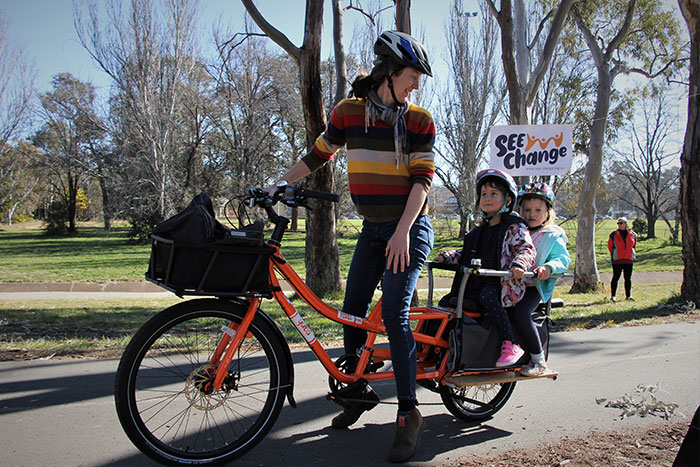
{"type": "Point", "coordinates": [93, 255]}
{"type": "Point", "coordinates": [655, 254]}
{"type": "Point", "coordinates": [103, 327]}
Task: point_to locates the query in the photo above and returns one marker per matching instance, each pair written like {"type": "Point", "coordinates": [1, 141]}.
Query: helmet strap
{"type": "Point", "coordinates": [503, 209]}
{"type": "Point", "coordinates": [391, 88]}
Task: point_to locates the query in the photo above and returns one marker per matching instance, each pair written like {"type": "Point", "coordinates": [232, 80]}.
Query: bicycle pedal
{"type": "Point", "coordinates": [374, 365]}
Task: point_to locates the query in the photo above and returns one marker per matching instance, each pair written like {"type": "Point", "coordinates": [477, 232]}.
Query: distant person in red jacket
{"type": "Point", "coordinates": [623, 252]}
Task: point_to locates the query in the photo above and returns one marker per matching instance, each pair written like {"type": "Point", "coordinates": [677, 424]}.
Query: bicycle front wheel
{"type": "Point", "coordinates": [163, 400]}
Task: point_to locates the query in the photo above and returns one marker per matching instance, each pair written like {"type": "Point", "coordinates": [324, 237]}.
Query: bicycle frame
{"type": "Point", "coordinates": [372, 324]}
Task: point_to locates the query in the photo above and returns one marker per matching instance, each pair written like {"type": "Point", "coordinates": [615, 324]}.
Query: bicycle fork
{"type": "Point", "coordinates": [233, 335]}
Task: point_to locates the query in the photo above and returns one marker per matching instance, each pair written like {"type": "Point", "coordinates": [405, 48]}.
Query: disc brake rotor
{"type": "Point", "coordinates": [199, 391]}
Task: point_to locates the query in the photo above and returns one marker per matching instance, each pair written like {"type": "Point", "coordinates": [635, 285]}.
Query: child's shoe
{"type": "Point", "coordinates": [534, 368]}
{"type": "Point", "coordinates": [510, 354]}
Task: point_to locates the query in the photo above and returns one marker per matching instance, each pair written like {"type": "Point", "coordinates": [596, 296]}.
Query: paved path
{"type": "Point", "coordinates": [61, 413]}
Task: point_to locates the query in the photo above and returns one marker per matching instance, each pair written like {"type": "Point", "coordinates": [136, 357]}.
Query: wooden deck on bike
{"type": "Point", "coordinates": [509, 376]}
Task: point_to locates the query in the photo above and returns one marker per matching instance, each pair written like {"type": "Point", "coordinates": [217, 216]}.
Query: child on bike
{"type": "Point", "coordinates": [500, 241]}
{"type": "Point", "coordinates": [536, 201]}
{"type": "Point", "coordinates": [390, 169]}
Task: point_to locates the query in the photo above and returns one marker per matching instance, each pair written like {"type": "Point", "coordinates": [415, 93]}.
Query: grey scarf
{"type": "Point", "coordinates": [394, 115]}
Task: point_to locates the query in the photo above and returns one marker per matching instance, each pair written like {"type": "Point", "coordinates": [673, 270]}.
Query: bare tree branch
{"type": "Point", "coordinates": [273, 33]}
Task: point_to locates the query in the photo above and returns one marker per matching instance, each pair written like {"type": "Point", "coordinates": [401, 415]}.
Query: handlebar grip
{"type": "Point", "coordinates": [305, 192]}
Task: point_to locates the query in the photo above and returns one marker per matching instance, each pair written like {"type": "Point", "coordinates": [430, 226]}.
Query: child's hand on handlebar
{"type": "Point", "coordinates": [517, 272]}
{"type": "Point", "coordinates": [542, 273]}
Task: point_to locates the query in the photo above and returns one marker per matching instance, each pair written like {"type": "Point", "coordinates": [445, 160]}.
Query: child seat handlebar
{"type": "Point", "coordinates": [466, 271]}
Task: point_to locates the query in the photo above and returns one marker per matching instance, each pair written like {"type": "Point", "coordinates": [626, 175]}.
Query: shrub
{"type": "Point", "coordinates": [639, 225]}
{"type": "Point", "coordinates": [55, 222]}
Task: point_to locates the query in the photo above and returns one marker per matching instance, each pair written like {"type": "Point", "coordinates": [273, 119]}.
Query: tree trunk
{"type": "Point", "coordinates": [322, 261]}
{"type": "Point", "coordinates": [71, 208]}
{"type": "Point", "coordinates": [586, 274]}
{"type": "Point", "coordinates": [690, 161]}
{"type": "Point", "coordinates": [651, 227]}
{"type": "Point", "coordinates": [106, 207]}
{"type": "Point", "coordinates": [294, 221]}
{"type": "Point", "coordinates": [341, 70]}
{"type": "Point", "coordinates": [403, 15]}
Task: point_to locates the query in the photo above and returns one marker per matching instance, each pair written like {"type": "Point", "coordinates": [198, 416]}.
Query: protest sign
{"type": "Point", "coordinates": [531, 149]}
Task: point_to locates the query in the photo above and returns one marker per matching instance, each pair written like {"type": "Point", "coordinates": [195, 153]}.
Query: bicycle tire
{"type": "Point", "coordinates": [159, 397]}
{"type": "Point", "coordinates": [494, 396]}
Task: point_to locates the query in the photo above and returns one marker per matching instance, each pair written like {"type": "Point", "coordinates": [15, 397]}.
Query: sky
{"type": "Point", "coordinates": [44, 30]}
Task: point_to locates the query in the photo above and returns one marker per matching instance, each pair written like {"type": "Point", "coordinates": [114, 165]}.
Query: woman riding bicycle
{"type": "Point", "coordinates": [390, 168]}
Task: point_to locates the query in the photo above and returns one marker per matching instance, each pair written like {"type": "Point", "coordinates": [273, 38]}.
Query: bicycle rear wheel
{"type": "Point", "coordinates": [491, 398]}
{"type": "Point", "coordinates": [161, 395]}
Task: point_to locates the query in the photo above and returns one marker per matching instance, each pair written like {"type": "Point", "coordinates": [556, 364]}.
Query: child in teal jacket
{"type": "Point", "coordinates": [536, 202]}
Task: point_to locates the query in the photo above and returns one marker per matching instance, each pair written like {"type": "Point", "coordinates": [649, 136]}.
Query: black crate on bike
{"type": "Point", "coordinates": [194, 254]}
{"type": "Point", "coordinates": [234, 265]}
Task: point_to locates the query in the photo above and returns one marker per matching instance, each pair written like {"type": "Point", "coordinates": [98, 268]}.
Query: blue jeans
{"type": "Point", "coordinates": [367, 268]}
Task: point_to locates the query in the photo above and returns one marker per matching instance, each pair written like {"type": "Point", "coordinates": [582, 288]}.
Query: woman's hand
{"type": "Point", "coordinates": [517, 272]}
{"type": "Point", "coordinates": [397, 257]}
{"type": "Point", "coordinates": [542, 272]}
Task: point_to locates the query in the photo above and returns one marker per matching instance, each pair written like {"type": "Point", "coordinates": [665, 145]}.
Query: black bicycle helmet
{"type": "Point", "coordinates": [404, 49]}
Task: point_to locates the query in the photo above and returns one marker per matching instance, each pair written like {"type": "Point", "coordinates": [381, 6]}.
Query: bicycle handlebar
{"type": "Point", "coordinates": [322, 195]}
{"type": "Point", "coordinates": [290, 195]}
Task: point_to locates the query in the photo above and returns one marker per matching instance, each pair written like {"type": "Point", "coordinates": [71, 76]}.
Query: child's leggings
{"type": "Point", "coordinates": [490, 299]}
{"type": "Point", "coordinates": [522, 315]}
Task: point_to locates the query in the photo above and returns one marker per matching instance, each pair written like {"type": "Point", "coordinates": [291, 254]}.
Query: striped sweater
{"type": "Point", "coordinates": [378, 187]}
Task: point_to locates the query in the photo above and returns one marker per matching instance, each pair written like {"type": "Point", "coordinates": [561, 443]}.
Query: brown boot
{"type": "Point", "coordinates": [408, 431]}
{"type": "Point", "coordinates": [354, 409]}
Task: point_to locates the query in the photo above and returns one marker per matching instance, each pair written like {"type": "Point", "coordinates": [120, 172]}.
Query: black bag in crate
{"type": "Point", "coordinates": [192, 253]}
{"type": "Point", "coordinates": [196, 224]}
{"type": "Point", "coordinates": [475, 343]}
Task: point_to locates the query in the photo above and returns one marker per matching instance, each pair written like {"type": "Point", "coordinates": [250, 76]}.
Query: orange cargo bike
{"type": "Point", "coordinates": [203, 381]}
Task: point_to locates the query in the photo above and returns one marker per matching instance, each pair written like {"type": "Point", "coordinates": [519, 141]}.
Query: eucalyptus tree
{"type": "Point", "coordinates": [690, 160]}
{"type": "Point", "coordinates": [65, 137]}
{"type": "Point", "coordinates": [322, 261]}
{"type": "Point", "coordinates": [17, 76]}
{"type": "Point", "coordinates": [21, 176]}
{"type": "Point", "coordinates": [525, 65]}
{"type": "Point", "coordinates": [622, 36]}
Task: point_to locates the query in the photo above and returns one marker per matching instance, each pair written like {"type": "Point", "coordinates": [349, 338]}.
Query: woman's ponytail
{"type": "Point", "coordinates": [361, 86]}
{"type": "Point", "coordinates": [384, 67]}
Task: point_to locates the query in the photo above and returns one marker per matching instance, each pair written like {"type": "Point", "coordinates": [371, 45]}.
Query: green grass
{"type": "Point", "coordinates": [654, 303]}
{"type": "Point", "coordinates": [103, 327]}
{"type": "Point", "coordinates": [656, 254]}
{"type": "Point", "coordinates": [93, 255]}
{"type": "Point", "coordinates": [27, 255]}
